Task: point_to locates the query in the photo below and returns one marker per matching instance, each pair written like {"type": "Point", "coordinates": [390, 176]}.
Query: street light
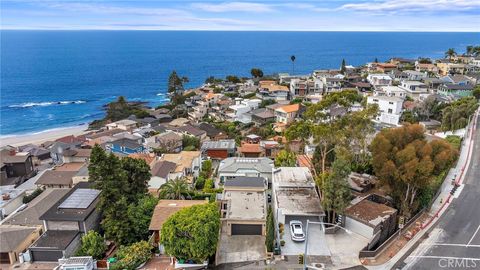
{"type": "Point", "coordinates": [323, 227]}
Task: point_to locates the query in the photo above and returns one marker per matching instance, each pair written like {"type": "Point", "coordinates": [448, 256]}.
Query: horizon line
{"type": "Point", "coordinates": [240, 30]}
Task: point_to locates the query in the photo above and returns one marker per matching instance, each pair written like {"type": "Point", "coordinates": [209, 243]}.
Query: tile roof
{"type": "Point", "coordinates": [183, 159]}
{"type": "Point", "coordinates": [289, 108]}
{"type": "Point", "coordinates": [163, 168]}
{"type": "Point", "coordinates": [166, 208]}
{"type": "Point", "coordinates": [148, 158]}
{"type": "Point", "coordinates": [250, 148]}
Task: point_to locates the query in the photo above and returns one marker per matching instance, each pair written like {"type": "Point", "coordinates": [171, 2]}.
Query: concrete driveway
{"type": "Point", "coordinates": [240, 248]}
{"type": "Point", "coordinates": [317, 244]}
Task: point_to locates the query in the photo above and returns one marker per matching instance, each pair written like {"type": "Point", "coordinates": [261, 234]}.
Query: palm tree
{"type": "Point", "coordinates": [174, 189]}
{"type": "Point", "coordinates": [469, 50]}
{"type": "Point", "coordinates": [293, 64]}
{"type": "Point", "coordinates": [450, 53]}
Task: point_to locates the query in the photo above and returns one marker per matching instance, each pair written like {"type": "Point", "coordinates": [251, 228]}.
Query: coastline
{"type": "Point", "coordinates": [42, 136]}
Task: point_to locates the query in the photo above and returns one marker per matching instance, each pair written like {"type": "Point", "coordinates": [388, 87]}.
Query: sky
{"type": "Point", "coordinates": [293, 15]}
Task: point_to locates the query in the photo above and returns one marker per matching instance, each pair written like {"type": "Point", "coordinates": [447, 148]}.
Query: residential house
{"type": "Point", "coordinates": [239, 111]}
{"type": "Point", "coordinates": [14, 240]}
{"type": "Point", "coordinates": [270, 148]}
{"type": "Point", "coordinates": [332, 84]}
{"type": "Point", "coordinates": [72, 140]}
{"type": "Point", "coordinates": [455, 90]}
{"type": "Point", "coordinates": [252, 138]}
{"type": "Point", "coordinates": [294, 197]}
{"type": "Point", "coordinates": [77, 263]}
{"type": "Point", "coordinates": [385, 67]}
{"type": "Point", "coordinates": [73, 215]}
{"type": "Point", "coordinates": [458, 79]}
{"type": "Point", "coordinates": [287, 114]}
{"type": "Point", "coordinates": [361, 183]}
{"type": "Point", "coordinates": [414, 89]}
{"type": "Point", "coordinates": [189, 130]}
{"type": "Point", "coordinates": [252, 150]}
{"type": "Point", "coordinates": [199, 111]}
{"type": "Point", "coordinates": [58, 150]}
{"type": "Point", "coordinates": [76, 155]}
{"type": "Point", "coordinates": [124, 147]}
{"type": "Point", "coordinates": [169, 142]}
{"type": "Point", "coordinates": [11, 200]}
{"type": "Point", "coordinates": [219, 149]}
{"type": "Point", "coordinates": [213, 133]}
{"type": "Point", "coordinates": [391, 91]}
{"type": "Point", "coordinates": [163, 210]}
{"type": "Point", "coordinates": [390, 108]}
{"type": "Point", "coordinates": [38, 153]}
{"type": "Point", "coordinates": [189, 164]}
{"type": "Point", "coordinates": [125, 124]}
{"type": "Point", "coordinates": [426, 67]}
{"type": "Point", "coordinates": [272, 90]}
{"type": "Point", "coordinates": [261, 116]}
{"type": "Point", "coordinates": [402, 62]}
{"type": "Point", "coordinates": [450, 68]}
{"type": "Point", "coordinates": [238, 166]}
{"type": "Point", "coordinates": [15, 167]}
{"type": "Point", "coordinates": [379, 80]}
{"type": "Point", "coordinates": [371, 217]}
{"type": "Point", "coordinates": [243, 220]}
{"type": "Point", "coordinates": [161, 171]}
{"type": "Point", "coordinates": [56, 179]}
{"type": "Point", "coordinates": [413, 75]}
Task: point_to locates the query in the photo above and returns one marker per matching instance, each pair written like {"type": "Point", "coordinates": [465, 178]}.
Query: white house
{"type": "Point", "coordinates": [378, 80]}
{"type": "Point", "coordinates": [391, 91]}
{"type": "Point", "coordinates": [413, 75]}
{"type": "Point", "coordinates": [414, 89]}
{"type": "Point", "coordinates": [125, 124]}
{"type": "Point", "coordinates": [251, 167]}
{"type": "Point", "coordinates": [241, 108]}
{"type": "Point", "coordinates": [390, 108]}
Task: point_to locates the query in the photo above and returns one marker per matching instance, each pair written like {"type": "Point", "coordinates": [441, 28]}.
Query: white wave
{"type": "Point", "coordinates": [161, 94]}
{"type": "Point", "coordinates": [48, 103]}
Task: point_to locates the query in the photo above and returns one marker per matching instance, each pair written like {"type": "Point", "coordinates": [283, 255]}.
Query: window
{"type": "Point", "coordinates": [390, 111]}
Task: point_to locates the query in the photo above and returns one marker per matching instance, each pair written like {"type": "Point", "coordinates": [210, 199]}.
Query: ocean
{"type": "Point", "coordinates": [53, 79]}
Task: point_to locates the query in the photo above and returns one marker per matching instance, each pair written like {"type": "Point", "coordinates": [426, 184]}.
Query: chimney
{"type": "Point", "coordinates": [12, 152]}
{"type": "Point", "coordinates": [6, 196]}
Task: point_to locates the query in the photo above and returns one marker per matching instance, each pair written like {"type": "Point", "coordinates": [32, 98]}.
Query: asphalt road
{"type": "Point", "coordinates": [454, 243]}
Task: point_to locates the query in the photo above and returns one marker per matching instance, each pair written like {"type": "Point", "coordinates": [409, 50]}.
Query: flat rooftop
{"type": "Point", "coordinates": [293, 177]}
{"type": "Point", "coordinates": [298, 201]}
{"type": "Point", "coordinates": [246, 205]}
{"type": "Point", "coordinates": [9, 194]}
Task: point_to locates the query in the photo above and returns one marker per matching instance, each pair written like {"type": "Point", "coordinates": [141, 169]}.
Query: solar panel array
{"type": "Point", "coordinates": [80, 199]}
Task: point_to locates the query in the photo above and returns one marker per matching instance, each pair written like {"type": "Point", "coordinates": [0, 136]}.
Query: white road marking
{"type": "Point", "coordinates": [447, 244]}
{"type": "Point", "coordinates": [443, 257]}
{"type": "Point", "coordinates": [473, 236]}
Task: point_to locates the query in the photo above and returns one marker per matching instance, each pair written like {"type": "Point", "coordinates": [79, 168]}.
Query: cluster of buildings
{"type": "Point", "coordinates": [48, 227]}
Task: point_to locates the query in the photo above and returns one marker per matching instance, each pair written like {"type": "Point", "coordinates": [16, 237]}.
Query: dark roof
{"type": "Point", "coordinates": [219, 145]}
{"type": "Point", "coordinates": [70, 214]}
{"type": "Point", "coordinates": [126, 143]}
{"type": "Point", "coordinates": [6, 158]}
{"type": "Point", "coordinates": [34, 150]}
{"type": "Point", "coordinates": [55, 239]}
{"type": "Point", "coordinates": [450, 86]}
{"type": "Point", "coordinates": [191, 130]}
{"type": "Point", "coordinates": [245, 181]}
{"type": "Point", "coordinates": [53, 177]}
{"type": "Point", "coordinates": [163, 168]}
{"type": "Point", "coordinates": [211, 130]}
{"type": "Point", "coordinates": [37, 207]}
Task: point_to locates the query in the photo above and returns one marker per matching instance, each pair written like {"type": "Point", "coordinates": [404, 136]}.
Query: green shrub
{"type": "Point", "coordinates": [32, 196]}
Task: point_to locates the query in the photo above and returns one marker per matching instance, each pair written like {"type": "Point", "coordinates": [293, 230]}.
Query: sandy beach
{"type": "Point", "coordinates": [40, 137]}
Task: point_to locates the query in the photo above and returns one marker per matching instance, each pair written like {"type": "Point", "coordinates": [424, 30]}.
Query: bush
{"type": "Point", "coordinates": [130, 257]}
{"type": "Point", "coordinates": [270, 238]}
{"type": "Point", "coordinates": [454, 140]}
{"type": "Point", "coordinates": [200, 183]}
{"type": "Point", "coordinates": [209, 185]}
{"type": "Point", "coordinates": [93, 245]}
{"type": "Point", "coordinates": [32, 196]}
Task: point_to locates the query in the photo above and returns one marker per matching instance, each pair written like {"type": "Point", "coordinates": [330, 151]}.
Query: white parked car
{"type": "Point", "coordinates": [296, 230]}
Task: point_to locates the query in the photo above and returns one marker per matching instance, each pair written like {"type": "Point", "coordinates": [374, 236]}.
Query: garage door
{"type": "Point", "coordinates": [4, 258]}
{"type": "Point", "coordinates": [46, 255]}
{"type": "Point", "coordinates": [246, 229]}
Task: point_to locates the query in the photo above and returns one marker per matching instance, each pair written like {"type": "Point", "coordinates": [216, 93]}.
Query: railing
{"type": "Point", "coordinates": [365, 253]}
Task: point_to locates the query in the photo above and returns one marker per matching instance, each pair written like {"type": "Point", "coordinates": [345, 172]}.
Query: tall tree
{"type": "Point", "coordinates": [270, 237]}
{"type": "Point", "coordinates": [450, 53]}
{"type": "Point", "coordinates": [256, 72]}
{"type": "Point", "coordinates": [407, 164]}
{"type": "Point", "coordinates": [175, 83]}
{"type": "Point", "coordinates": [336, 191]}
{"type": "Point", "coordinates": [138, 175]}
{"type": "Point", "coordinates": [174, 189]}
{"type": "Point", "coordinates": [192, 233]}
{"type": "Point", "coordinates": [343, 67]}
